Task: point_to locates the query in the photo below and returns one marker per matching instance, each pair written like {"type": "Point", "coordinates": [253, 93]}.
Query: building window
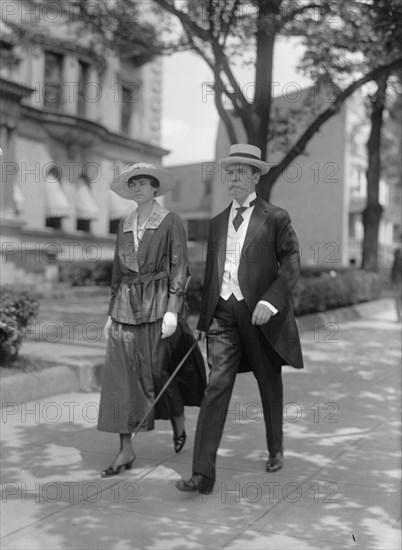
{"type": "Point", "coordinates": [83, 225]}
{"type": "Point", "coordinates": [359, 183]}
{"type": "Point", "coordinates": [383, 193]}
{"type": "Point", "coordinates": [83, 71]}
{"type": "Point", "coordinates": [127, 100]}
{"type": "Point", "coordinates": [198, 230]}
{"type": "Point", "coordinates": [114, 226]}
{"type": "Point", "coordinates": [356, 230]}
{"type": "Point", "coordinates": [54, 223]}
{"type": "Point", "coordinates": [53, 92]}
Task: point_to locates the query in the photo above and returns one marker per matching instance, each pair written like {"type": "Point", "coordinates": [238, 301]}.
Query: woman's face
{"type": "Point", "coordinates": [141, 189]}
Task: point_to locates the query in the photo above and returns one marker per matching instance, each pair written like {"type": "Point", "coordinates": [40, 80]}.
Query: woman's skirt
{"type": "Point", "coordinates": [137, 365]}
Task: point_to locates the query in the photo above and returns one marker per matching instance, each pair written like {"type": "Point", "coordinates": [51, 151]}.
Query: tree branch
{"type": "Point", "coordinates": [301, 143]}
{"type": "Point", "coordinates": [294, 13]}
{"type": "Point", "coordinates": [237, 95]}
{"type": "Point", "coordinates": [217, 96]}
{"type": "Point", "coordinates": [227, 28]}
{"type": "Point", "coordinates": [185, 20]}
{"type": "Point", "coordinates": [223, 113]}
{"type": "Point", "coordinates": [191, 28]}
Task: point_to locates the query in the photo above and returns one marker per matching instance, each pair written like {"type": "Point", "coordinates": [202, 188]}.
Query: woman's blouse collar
{"type": "Point", "coordinates": [157, 215]}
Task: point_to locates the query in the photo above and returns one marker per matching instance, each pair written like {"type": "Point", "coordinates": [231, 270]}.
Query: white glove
{"type": "Point", "coordinates": [107, 327]}
{"type": "Point", "coordinates": [169, 324]}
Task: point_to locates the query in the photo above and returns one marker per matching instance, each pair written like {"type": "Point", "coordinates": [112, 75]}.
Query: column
{"type": "Point", "coordinates": [93, 94]}
{"type": "Point", "coordinates": [70, 85]}
{"type": "Point", "coordinates": [9, 169]}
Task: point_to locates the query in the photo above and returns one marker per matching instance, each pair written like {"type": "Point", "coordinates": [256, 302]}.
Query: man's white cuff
{"type": "Point", "coordinates": [269, 306]}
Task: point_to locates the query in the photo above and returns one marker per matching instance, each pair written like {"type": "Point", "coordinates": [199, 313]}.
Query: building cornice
{"type": "Point", "coordinates": [54, 235]}
{"type": "Point", "coordinates": [13, 90]}
{"type": "Point", "coordinates": [72, 129]}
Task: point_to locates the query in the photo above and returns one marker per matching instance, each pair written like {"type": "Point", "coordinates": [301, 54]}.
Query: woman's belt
{"type": "Point", "coordinates": [145, 278]}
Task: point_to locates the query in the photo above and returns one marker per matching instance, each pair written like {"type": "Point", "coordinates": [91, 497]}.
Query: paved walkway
{"type": "Point", "coordinates": [339, 488]}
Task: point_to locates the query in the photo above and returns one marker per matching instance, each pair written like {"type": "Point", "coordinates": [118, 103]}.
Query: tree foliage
{"type": "Point", "coordinates": [339, 36]}
{"type": "Point", "coordinates": [368, 35]}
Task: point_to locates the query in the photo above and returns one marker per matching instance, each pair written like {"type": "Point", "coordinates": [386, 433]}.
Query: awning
{"type": "Point", "coordinates": [56, 202]}
{"type": "Point", "coordinates": [19, 198]}
{"type": "Point", "coordinates": [87, 208]}
{"type": "Point", "coordinates": [119, 207]}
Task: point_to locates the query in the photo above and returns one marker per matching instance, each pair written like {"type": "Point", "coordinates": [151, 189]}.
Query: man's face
{"type": "Point", "coordinates": [241, 180]}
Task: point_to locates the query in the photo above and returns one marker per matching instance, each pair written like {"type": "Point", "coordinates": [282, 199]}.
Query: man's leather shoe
{"type": "Point", "coordinates": [197, 482]}
{"type": "Point", "coordinates": [275, 463]}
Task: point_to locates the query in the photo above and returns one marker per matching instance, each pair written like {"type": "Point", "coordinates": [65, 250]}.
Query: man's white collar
{"type": "Point", "coordinates": [252, 196]}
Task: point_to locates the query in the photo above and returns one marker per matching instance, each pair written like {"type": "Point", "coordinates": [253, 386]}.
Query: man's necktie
{"type": "Point", "coordinates": [238, 219]}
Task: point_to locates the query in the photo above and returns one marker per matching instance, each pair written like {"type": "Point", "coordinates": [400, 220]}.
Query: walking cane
{"type": "Point", "coordinates": [164, 388]}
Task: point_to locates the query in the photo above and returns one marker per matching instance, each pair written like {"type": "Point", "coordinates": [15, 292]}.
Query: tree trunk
{"type": "Point", "coordinates": [258, 130]}
{"type": "Point", "coordinates": [373, 211]}
{"type": "Point", "coordinates": [299, 147]}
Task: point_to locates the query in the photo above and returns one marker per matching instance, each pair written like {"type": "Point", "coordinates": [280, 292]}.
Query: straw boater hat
{"type": "Point", "coordinates": [245, 154]}
{"type": "Point", "coordinates": [166, 180]}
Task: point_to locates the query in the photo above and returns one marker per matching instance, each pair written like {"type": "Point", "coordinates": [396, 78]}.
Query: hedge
{"type": "Point", "coordinates": [18, 308]}
{"type": "Point", "coordinates": [334, 289]}
{"type": "Point", "coordinates": [318, 289]}
{"type": "Point", "coordinates": [87, 273]}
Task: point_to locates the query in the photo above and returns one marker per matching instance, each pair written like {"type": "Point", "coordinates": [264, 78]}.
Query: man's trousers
{"type": "Point", "coordinates": [232, 339]}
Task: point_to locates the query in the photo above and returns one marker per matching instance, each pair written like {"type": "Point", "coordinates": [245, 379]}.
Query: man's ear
{"type": "Point", "coordinates": [256, 177]}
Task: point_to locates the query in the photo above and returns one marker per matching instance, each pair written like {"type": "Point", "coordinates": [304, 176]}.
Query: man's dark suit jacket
{"type": "Point", "coordinates": [268, 270]}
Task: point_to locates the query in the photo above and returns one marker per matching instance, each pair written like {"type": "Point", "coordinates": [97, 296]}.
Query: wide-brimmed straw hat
{"type": "Point", "coordinates": [166, 180]}
{"type": "Point", "coordinates": [245, 154]}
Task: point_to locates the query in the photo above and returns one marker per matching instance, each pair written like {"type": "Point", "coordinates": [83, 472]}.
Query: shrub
{"type": "Point", "coordinates": [86, 273]}
{"type": "Point", "coordinates": [102, 273]}
{"type": "Point", "coordinates": [194, 291]}
{"type": "Point", "coordinates": [316, 290]}
{"type": "Point", "coordinates": [328, 290]}
{"type": "Point", "coordinates": [17, 309]}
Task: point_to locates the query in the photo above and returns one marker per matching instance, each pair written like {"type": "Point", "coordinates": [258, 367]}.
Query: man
{"type": "Point", "coordinates": [251, 268]}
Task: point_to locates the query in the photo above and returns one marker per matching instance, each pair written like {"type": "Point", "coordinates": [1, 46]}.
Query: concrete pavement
{"type": "Point", "coordinates": [339, 488]}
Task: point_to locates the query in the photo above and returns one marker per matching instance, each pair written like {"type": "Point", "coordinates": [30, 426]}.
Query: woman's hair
{"type": "Point", "coordinates": [153, 181]}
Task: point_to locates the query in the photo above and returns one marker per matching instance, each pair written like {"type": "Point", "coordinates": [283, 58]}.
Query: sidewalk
{"type": "Point", "coordinates": [79, 360]}
{"type": "Point", "coordinates": [339, 488]}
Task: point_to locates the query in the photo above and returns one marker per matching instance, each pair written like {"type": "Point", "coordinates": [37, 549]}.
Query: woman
{"type": "Point", "coordinates": [147, 334]}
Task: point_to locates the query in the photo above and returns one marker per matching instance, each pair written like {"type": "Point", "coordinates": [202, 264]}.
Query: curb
{"type": "Point", "coordinates": [86, 375]}
{"type": "Point", "coordinates": [350, 313]}
{"type": "Point", "coordinates": [28, 386]}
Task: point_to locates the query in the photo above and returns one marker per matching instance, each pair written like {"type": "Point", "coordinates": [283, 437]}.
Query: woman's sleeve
{"type": "Point", "coordinates": [116, 275]}
{"type": "Point", "coordinates": [179, 271]}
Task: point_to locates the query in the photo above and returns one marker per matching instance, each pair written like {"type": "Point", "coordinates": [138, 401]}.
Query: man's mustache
{"type": "Point", "coordinates": [241, 186]}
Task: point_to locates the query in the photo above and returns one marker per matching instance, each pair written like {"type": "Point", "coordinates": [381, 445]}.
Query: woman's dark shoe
{"type": "Point", "coordinates": [197, 482]}
{"type": "Point", "coordinates": [114, 472]}
{"type": "Point", "coordinates": [179, 442]}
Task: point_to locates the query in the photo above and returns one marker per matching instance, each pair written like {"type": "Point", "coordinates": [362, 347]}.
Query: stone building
{"type": "Point", "coordinates": [71, 120]}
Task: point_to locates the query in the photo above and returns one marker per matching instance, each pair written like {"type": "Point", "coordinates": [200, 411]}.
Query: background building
{"type": "Point", "coordinates": [70, 122]}
{"type": "Point", "coordinates": [324, 189]}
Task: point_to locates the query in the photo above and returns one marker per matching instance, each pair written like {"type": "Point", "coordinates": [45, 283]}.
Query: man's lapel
{"type": "Point", "coordinates": [220, 241]}
{"type": "Point", "coordinates": [257, 220]}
